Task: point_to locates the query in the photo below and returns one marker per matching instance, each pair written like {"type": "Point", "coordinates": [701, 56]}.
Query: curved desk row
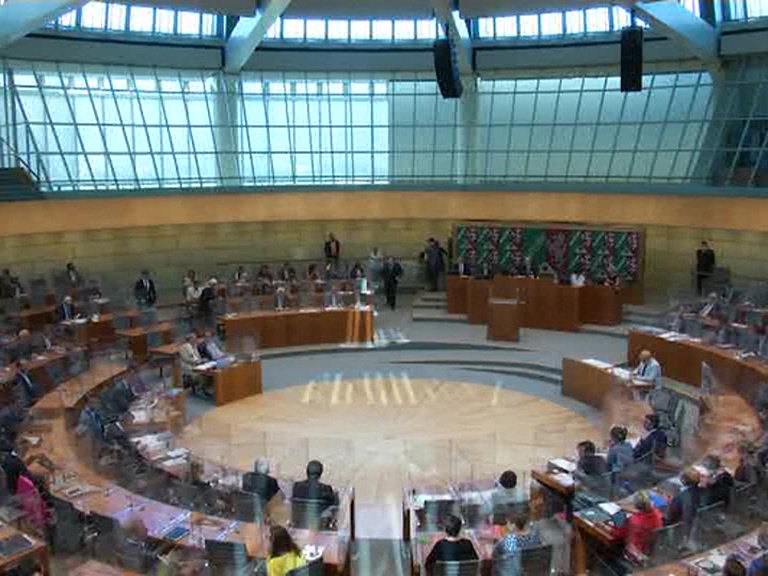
{"type": "Point", "coordinates": [58, 410]}
{"type": "Point", "coordinates": [306, 327]}
{"type": "Point", "coordinates": [543, 304]}
{"type": "Point", "coordinates": [591, 382]}
{"type": "Point", "coordinates": [681, 358]}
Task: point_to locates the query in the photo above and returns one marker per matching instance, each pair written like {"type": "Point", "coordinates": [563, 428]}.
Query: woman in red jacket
{"type": "Point", "coordinates": [641, 526]}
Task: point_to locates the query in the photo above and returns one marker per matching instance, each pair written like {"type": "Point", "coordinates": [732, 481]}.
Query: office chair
{"type": "Point", "coordinates": [435, 513]}
{"type": "Point", "coordinates": [68, 532]}
{"type": "Point", "coordinates": [55, 372]}
{"type": "Point", "coordinates": [537, 561]}
{"type": "Point", "coordinates": [463, 568]}
{"type": "Point", "coordinates": [228, 558]}
{"type": "Point", "coordinates": [668, 542]}
{"type": "Point", "coordinates": [247, 506]}
{"type": "Point", "coordinates": [102, 534]}
{"type": "Point", "coordinates": [312, 514]}
{"type": "Point", "coordinates": [155, 340]}
{"type": "Point", "coordinates": [314, 568]}
{"type": "Point", "coordinates": [708, 526]}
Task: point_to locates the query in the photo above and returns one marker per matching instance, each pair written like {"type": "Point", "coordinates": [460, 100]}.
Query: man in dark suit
{"type": "Point", "coordinates": [313, 489]}
{"type": "Point", "coordinates": [705, 265]}
{"type": "Point", "coordinates": [207, 302]}
{"type": "Point", "coordinates": [684, 507]}
{"type": "Point", "coordinates": [27, 391]}
{"type": "Point", "coordinates": [654, 443]}
{"type": "Point", "coordinates": [589, 462]}
{"type": "Point", "coordinates": [391, 274]}
{"type": "Point", "coordinates": [73, 276]}
{"type": "Point", "coordinates": [67, 310]}
{"type": "Point", "coordinates": [259, 482]}
{"type": "Point", "coordinates": [144, 290]}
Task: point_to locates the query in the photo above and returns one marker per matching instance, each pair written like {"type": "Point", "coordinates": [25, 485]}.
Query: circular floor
{"type": "Point", "coordinates": [382, 435]}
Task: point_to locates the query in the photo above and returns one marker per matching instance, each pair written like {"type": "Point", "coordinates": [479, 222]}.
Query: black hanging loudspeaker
{"type": "Point", "coordinates": [447, 69]}
{"type": "Point", "coordinates": [632, 59]}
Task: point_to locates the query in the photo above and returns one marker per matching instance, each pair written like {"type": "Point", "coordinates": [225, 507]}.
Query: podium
{"type": "Point", "coordinates": [236, 382]}
{"type": "Point", "coordinates": [457, 294]}
{"type": "Point", "coordinates": [504, 319]}
{"type": "Point", "coordinates": [478, 291]}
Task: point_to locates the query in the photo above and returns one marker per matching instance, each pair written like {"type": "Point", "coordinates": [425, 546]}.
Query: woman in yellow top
{"type": "Point", "coordinates": [285, 555]}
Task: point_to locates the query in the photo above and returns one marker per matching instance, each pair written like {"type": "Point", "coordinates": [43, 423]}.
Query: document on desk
{"type": "Point", "coordinates": [610, 508]}
{"type": "Point", "coordinates": [563, 464]}
{"type": "Point", "coordinates": [622, 373]}
{"type": "Point", "coordinates": [564, 479]}
{"type": "Point", "coordinates": [597, 363]}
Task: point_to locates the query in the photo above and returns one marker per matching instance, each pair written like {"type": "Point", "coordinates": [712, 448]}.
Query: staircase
{"type": "Point", "coordinates": [18, 184]}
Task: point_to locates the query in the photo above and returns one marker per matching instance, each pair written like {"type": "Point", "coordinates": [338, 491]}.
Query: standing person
{"type": "Point", "coordinates": [391, 275]}
{"type": "Point", "coordinates": [144, 291]}
{"type": "Point", "coordinates": [73, 276]}
{"type": "Point", "coordinates": [705, 266]}
{"type": "Point", "coordinates": [435, 263]}
{"type": "Point", "coordinates": [375, 267]}
{"type": "Point", "coordinates": [207, 301]}
{"type": "Point", "coordinates": [332, 251]}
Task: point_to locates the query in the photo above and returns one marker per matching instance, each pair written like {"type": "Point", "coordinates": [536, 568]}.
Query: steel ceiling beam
{"type": "Point", "coordinates": [248, 34]}
{"type": "Point", "coordinates": [20, 17]}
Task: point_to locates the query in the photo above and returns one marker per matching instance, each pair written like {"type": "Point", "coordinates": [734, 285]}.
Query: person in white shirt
{"type": "Point", "coordinates": [648, 370]}
{"type": "Point", "coordinates": [578, 279]}
{"type": "Point", "coordinates": [190, 358]}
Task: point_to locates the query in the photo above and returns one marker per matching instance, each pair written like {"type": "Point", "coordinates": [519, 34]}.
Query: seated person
{"type": "Point", "coordinates": [284, 554]}
{"type": "Point", "coordinates": [313, 489]}
{"type": "Point", "coordinates": [749, 470]}
{"type": "Point", "coordinates": [641, 526]}
{"type": "Point", "coordinates": [711, 308]}
{"type": "Point", "coordinates": [284, 274]}
{"type": "Point", "coordinates": [209, 347]}
{"type": "Point", "coordinates": [578, 279]}
{"type": "Point", "coordinates": [451, 548]}
{"type": "Point", "coordinates": [13, 467]}
{"type": "Point", "coordinates": [654, 445]}
{"type": "Point", "coordinates": [122, 396]}
{"type": "Point", "coordinates": [259, 482]}
{"type": "Point", "coordinates": [718, 486]}
{"type": "Point", "coordinates": [759, 566]}
{"type": "Point", "coordinates": [241, 276]}
{"type": "Point", "coordinates": [685, 505]}
{"type": "Point", "coordinates": [11, 418]}
{"type": "Point", "coordinates": [620, 454]}
{"type": "Point", "coordinates": [10, 287]}
{"type": "Point", "coordinates": [648, 369]}
{"type": "Point", "coordinates": [22, 347]}
{"type": "Point", "coordinates": [27, 391]}
{"type": "Point", "coordinates": [357, 272]}
{"type": "Point", "coordinates": [462, 268]}
{"type": "Point", "coordinates": [589, 462]}
{"type": "Point", "coordinates": [190, 358]}
{"type": "Point", "coordinates": [66, 310]}
{"type": "Point", "coordinates": [506, 496]}
{"type": "Point", "coordinates": [135, 546]}
{"type": "Point", "coordinates": [521, 535]}
{"type": "Point", "coordinates": [312, 274]}
{"type": "Point", "coordinates": [90, 421]}
{"type": "Point", "coordinates": [734, 567]}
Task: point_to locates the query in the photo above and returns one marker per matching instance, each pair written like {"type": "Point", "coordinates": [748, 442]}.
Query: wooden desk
{"type": "Point", "coordinates": [504, 320]}
{"type": "Point", "coordinates": [96, 568]}
{"type": "Point", "coordinates": [306, 327]}
{"type": "Point", "coordinates": [548, 306]}
{"type": "Point", "coordinates": [564, 492]}
{"type": "Point", "coordinates": [37, 366]}
{"type": "Point", "coordinates": [456, 294]}
{"type": "Point", "coordinates": [101, 329]}
{"type": "Point", "coordinates": [171, 351]}
{"type": "Point", "coordinates": [72, 393]}
{"type": "Point", "coordinates": [38, 551]}
{"type": "Point", "coordinates": [138, 338]}
{"type": "Point", "coordinates": [681, 360]}
{"type": "Point", "coordinates": [585, 382]}
{"type": "Point", "coordinates": [236, 382]}
{"type": "Point", "coordinates": [600, 305]}
{"type": "Point", "coordinates": [478, 292]}
{"type": "Point", "coordinates": [35, 318]}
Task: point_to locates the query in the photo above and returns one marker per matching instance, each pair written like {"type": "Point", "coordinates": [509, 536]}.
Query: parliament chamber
{"type": "Point", "coordinates": [301, 288]}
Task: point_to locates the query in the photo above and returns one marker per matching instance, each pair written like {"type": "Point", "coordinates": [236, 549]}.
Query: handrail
{"type": "Point", "coordinates": [17, 156]}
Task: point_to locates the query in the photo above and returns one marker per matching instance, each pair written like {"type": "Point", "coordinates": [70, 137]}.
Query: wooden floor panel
{"type": "Point", "coordinates": [386, 431]}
